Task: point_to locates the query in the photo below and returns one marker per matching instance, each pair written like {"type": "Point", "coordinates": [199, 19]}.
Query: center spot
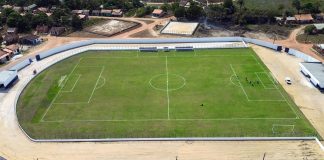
{"type": "Point", "coordinates": [170, 82]}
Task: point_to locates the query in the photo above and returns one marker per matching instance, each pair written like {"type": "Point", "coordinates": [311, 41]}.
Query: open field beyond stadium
{"type": "Point", "coordinates": [129, 94]}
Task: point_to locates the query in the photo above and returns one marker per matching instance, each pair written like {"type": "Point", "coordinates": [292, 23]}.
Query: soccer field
{"type": "Point", "coordinates": [129, 94]}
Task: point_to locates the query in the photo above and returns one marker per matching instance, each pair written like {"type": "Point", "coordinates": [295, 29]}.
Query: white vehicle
{"type": "Point", "coordinates": [288, 80]}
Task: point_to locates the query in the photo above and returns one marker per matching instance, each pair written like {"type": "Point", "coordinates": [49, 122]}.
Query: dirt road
{"type": "Point", "coordinates": [292, 42]}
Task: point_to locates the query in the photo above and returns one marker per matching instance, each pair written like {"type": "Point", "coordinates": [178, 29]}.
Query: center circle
{"type": "Point", "coordinates": [167, 82]}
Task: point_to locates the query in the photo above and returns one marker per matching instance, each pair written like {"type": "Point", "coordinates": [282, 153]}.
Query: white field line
{"type": "Point", "coordinates": [272, 80]}
{"type": "Point", "coordinates": [167, 80]}
{"type": "Point", "coordinates": [292, 127]}
{"type": "Point", "coordinates": [72, 103]}
{"type": "Point", "coordinates": [291, 107]}
{"type": "Point", "coordinates": [58, 93]}
{"type": "Point", "coordinates": [71, 90]}
{"type": "Point", "coordinates": [247, 97]}
{"type": "Point", "coordinates": [181, 119]}
{"type": "Point", "coordinates": [175, 55]}
{"type": "Point", "coordinates": [94, 88]}
{"type": "Point", "coordinates": [233, 82]}
{"type": "Point", "coordinates": [104, 82]}
{"type": "Point", "coordinates": [256, 73]}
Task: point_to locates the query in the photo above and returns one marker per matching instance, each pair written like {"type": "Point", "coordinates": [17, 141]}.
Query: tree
{"type": "Point", "coordinates": [40, 19]}
{"type": "Point", "coordinates": [16, 20]}
{"type": "Point", "coordinates": [309, 29]}
{"type": "Point", "coordinates": [175, 6]}
{"type": "Point", "coordinates": [59, 17]}
{"type": "Point", "coordinates": [297, 5]}
{"type": "Point", "coordinates": [165, 7]}
{"type": "Point", "coordinates": [240, 3]}
{"type": "Point", "coordinates": [137, 3]}
{"type": "Point", "coordinates": [216, 12]}
{"type": "Point", "coordinates": [194, 11]}
{"type": "Point", "coordinates": [281, 7]}
{"type": "Point", "coordinates": [13, 19]}
{"type": "Point", "coordinates": [311, 8]}
{"type": "Point", "coordinates": [76, 23]}
{"type": "Point", "coordinates": [180, 12]}
{"type": "Point", "coordinates": [228, 4]}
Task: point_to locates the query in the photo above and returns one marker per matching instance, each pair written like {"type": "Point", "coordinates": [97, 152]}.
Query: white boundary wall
{"type": "Point", "coordinates": [302, 55]}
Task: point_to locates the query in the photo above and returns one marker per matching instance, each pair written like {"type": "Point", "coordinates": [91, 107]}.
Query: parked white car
{"type": "Point", "coordinates": [288, 80]}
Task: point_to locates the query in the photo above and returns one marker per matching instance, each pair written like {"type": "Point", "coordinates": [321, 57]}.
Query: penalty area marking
{"type": "Point", "coordinates": [52, 102]}
{"type": "Point", "coordinates": [104, 82]}
{"type": "Point", "coordinates": [71, 90]}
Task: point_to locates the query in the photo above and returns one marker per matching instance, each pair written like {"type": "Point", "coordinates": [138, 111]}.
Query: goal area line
{"type": "Point", "coordinates": [166, 119]}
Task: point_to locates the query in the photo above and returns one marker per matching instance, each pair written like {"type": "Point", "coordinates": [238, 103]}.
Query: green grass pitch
{"type": "Point", "coordinates": [129, 94]}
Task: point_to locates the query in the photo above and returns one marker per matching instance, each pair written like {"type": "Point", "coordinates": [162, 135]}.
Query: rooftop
{"type": "Point", "coordinates": [304, 17]}
{"type": "Point", "coordinates": [6, 76]}
{"type": "Point", "coordinates": [321, 46]}
{"type": "Point", "coordinates": [317, 70]}
{"type": "Point", "coordinates": [319, 26]}
{"type": "Point", "coordinates": [157, 11]}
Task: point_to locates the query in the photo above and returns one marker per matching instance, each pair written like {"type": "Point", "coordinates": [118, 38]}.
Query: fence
{"type": "Point", "coordinates": [301, 55]}
{"type": "Point", "coordinates": [263, 43]}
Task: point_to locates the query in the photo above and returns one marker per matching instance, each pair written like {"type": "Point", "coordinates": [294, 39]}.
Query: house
{"type": "Point", "coordinates": [11, 39]}
{"type": "Point", "coordinates": [30, 40]}
{"type": "Point", "coordinates": [304, 18]}
{"type": "Point", "coordinates": [12, 49]}
{"type": "Point", "coordinates": [183, 3]}
{"type": "Point", "coordinates": [12, 30]}
{"type": "Point", "coordinates": [42, 10]}
{"type": "Point", "coordinates": [4, 57]}
{"type": "Point", "coordinates": [319, 48]}
{"type": "Point", "coordinates": [95, 13]}
{"type": "Point", "coordinates": [42, 29]}
{"type": "Point", "coordinates": [117, 13]}
{"type": "Point", "coordinates": [7, 6]}
{"type": "Point", "coordinates": [106, 12]}
{"type": "Point", "coordinates": [83, 16]}
{"type": "Point", "coordinates": [290, 20]}
{"type": "Point", "coordinates": [30, 8]}
{"type": "Point", "coordinates": [17, 9]}
{"type": "Point", "coordinates": [319, 17]}
{"type": "Point", "coordinates": [319, 28]}
{"type": "Point", "coordinates": [57, 31]}
{"type": "Point", "coordinates": [53, 8]}
{"type": "Point", "coordinates": [158, 13]}
{"type": "Point", "coordinates": [86, 12]}
{"type": "Point", "coordinates": [76, 11]}
{"type": "Point", "coordinates": [7, 79]}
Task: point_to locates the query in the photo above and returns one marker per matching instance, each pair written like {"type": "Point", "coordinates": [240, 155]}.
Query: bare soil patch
{"type": "Point", "coordinates": [111, 27]}
{"type": "Point", "coordinates": [142, 34]}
